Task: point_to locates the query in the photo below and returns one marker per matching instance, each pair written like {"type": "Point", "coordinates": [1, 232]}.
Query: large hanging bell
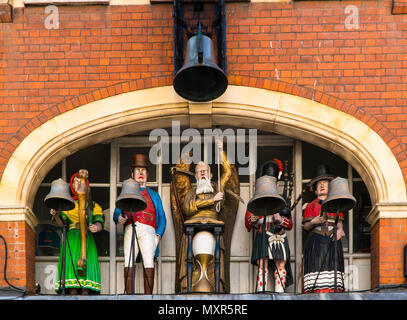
{"type": "Point", "coordinates": [200, 79]}
{"type": "Point", "coordinates": [339, 197]}
{"type": "Point", "coordinates": [266, 199]}
{"type": "Point", "coordinates": [130, 198]}
{"type": "Point", "coordinates": [59, 198]}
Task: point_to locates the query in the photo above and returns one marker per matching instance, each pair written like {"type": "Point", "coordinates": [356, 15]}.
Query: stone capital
{"type": "Point", "coordinates": [13, 214]}
{"type": "Point", "coordinates": [397, 210]}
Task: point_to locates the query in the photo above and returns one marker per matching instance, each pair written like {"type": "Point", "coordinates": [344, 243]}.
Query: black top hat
{"type": "Point", "coordinates": [270, 168]}
{"type": "Point", "coordinates": [323, 173]}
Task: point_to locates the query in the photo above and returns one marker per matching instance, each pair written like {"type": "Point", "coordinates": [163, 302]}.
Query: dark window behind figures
{"type": "Point", "coordinates": [312, 156]}
{"type": "Point", "coordinates": [95, 159]}
{"type": "Point", "coordinates": [361, 228]}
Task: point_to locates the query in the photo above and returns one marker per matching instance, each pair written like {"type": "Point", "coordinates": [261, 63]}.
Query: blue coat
{"type": "Point", "coordinates": [160, 219]}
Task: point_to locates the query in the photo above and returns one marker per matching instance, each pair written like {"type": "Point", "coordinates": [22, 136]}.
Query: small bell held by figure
{"type": "Point", "coordinates": [59, 197]}
{"type": "Point", "coordinates": [339, 198]}
{"type": "Point", "coordinates": [130, 198]}
{"type": "Point", "coordinates": [266, 200]}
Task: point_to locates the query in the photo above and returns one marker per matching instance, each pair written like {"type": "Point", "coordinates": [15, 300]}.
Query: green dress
{"type": "Point", "coordinates": [91, 280]}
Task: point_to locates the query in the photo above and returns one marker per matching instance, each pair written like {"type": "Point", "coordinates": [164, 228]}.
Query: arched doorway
{"type": "Point", "coordinates": [279, 113]}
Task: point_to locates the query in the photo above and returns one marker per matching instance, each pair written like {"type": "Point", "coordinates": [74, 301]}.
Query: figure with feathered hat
{"type": "Point", "coordinates": [150, 225]}
{"type": "Point", "coordinates": [319, 252]}
{"type": "Point", "coordinates": [277, 252]}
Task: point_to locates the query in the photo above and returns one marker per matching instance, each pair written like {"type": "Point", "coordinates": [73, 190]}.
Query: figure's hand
{"type": "Point", "coordinates": [277, 217]}
{"type": "Point", "coordinates": [158, 239]}
{"type": "Point", "coordinates": [218, 196]}
{"type": "Point", "coordinates": [95, 228]}
{"type": "Point", "coordinates": [253, 218]}
{"type": "Point", "coordinates": [338, 235]}
{"type": "Point", "coordinates": [285, 222]}
{"type": "Point", "coordinates": [339, 232]}
{"type": "Point", "coordinates": [122, 219]}
{"type": "Point", "coordinates": [318, 220]}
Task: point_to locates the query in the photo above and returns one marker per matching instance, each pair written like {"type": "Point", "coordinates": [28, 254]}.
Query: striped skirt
{"type": "Point", "coordinates": [319, 270]}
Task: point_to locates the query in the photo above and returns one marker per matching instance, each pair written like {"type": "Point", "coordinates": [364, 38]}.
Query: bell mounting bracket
{"type": "Point", "coordinates": [181, 28]}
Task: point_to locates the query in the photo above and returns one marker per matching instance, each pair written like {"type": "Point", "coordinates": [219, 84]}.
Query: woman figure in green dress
{"type": "Point", "coordinates": [75, 283]}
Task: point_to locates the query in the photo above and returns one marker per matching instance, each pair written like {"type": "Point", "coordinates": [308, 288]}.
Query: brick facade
{"type": "Point", "coordinates": [20, 241]}
{"type": "Point", "coordinates": [388, 240]}
{"type": "Point", "coordinates": [311, 49]}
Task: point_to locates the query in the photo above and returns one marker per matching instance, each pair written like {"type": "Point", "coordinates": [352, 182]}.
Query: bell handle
{"type": "Point", "coordinates": [300, 196]}
{"type": "Point", "coordinates": [82, 195]}
{"type": "Point", "coordinates": [200, 50]}
{"type": "Point", "coordinates": [296, 202]}
{"type": "Point", "coordinates": [337, 216]}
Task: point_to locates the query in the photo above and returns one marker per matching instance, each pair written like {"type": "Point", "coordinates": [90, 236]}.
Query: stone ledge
{"type": "Point", "coordinates": [393, 294]}
{"type": "Point", "coordinates": [387, 211]}
{"type": "Point", "coordinates": [13, 214]}
{"type": "Point", "coordinates": [200, 114]}
{"type": "Point", "coordinates": [64, 2]}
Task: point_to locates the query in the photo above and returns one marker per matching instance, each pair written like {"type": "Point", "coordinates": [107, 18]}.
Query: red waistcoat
{"type": "Point", "coordinates": [147, 216]}
{"type": "Point", "coordinates": [313, 209]}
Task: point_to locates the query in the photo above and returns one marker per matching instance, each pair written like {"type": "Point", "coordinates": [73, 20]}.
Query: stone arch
{"type": "Point", "coordinates": [295, 114]}
{"type": "Point", "coordinates": [246, 81]}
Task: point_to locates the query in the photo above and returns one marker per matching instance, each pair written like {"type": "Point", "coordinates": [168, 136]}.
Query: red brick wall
{"type": "Point", "coordinates": [100, 46]}
{"type": "Point", "coordinates": [20, 241]}
{"type": "Point", "coordinates": [302, 48]}
{"type": "Point", "coordinates": [389, 236]}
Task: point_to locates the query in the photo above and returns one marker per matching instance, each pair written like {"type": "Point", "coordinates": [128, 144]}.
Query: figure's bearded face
{"type": "Point", "coordinates": [203, 179]}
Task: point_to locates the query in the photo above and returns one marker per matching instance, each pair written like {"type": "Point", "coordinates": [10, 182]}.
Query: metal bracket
{"type": "Point", "coordinates": [179, 25]}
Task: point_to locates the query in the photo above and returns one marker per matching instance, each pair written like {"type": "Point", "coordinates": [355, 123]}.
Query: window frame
{"type": "Point", "coordinates": [263, 141]}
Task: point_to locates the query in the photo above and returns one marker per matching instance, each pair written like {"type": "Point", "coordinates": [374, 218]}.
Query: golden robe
{"type": "Point", "coordinates": [201, 209]}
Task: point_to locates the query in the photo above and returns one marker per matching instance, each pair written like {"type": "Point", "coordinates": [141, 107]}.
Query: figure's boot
{"type": "Point", "coordinates": [148, 280]}
{"type": "Point", "coordinates": [260, 279]}
{"type": "Point", "coordinates": [128, 280]}
{"type": "Point", "coordinates": [280, 276]}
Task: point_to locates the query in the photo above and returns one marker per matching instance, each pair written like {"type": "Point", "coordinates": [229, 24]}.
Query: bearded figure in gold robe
{"type": "Point", "coordinates": [206, 204]}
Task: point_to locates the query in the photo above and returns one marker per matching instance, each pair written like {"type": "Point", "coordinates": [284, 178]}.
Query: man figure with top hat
{"type": "Point", "coordinates": [319, 253]}
{"type": "Point", "coordinates": [150, 225]}
{"type": "Point", "coordinates": [277, 254]}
